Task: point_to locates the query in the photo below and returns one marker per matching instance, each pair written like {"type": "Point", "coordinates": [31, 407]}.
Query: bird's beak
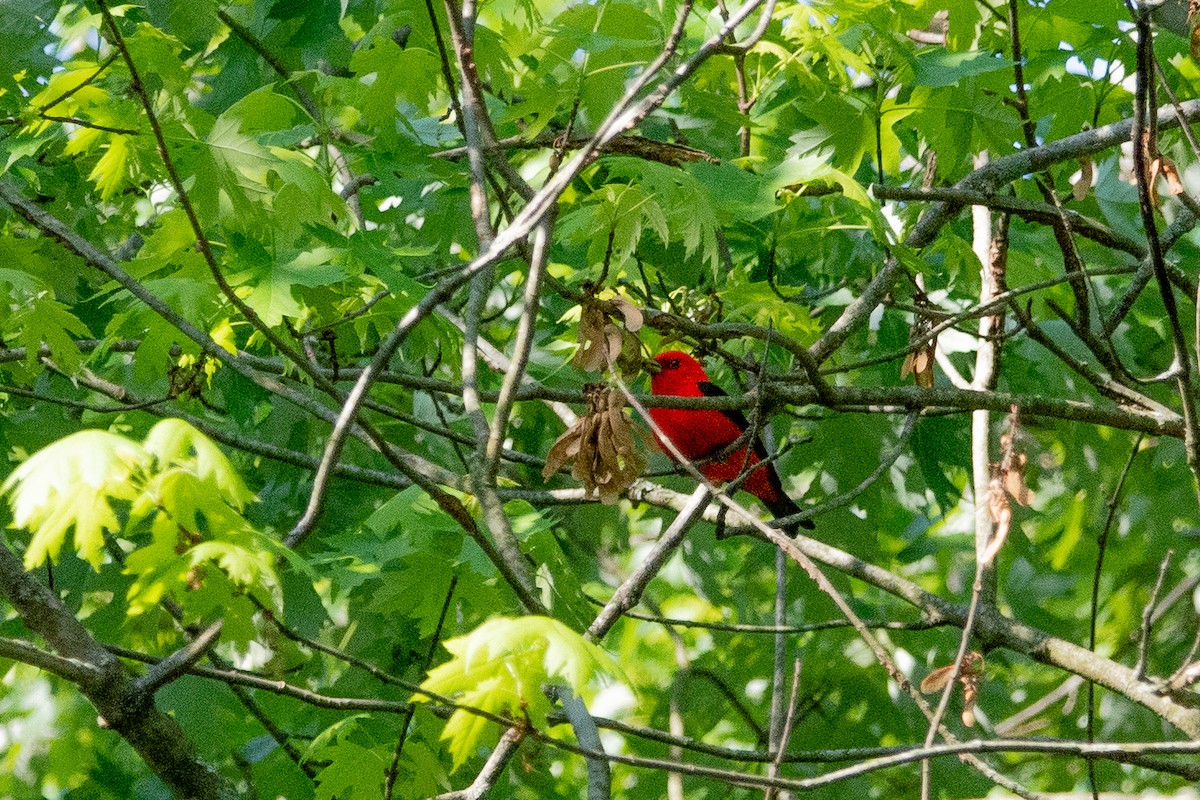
{"type": "Point", "coordinates": [651, 366]}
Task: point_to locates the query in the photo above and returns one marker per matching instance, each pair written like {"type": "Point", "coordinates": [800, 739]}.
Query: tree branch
{"type": "Point", "coordinates": [122, 704]}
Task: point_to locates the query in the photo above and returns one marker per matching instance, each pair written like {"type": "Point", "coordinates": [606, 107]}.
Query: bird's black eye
{"type": "Point", "coordinates": [672, 363]}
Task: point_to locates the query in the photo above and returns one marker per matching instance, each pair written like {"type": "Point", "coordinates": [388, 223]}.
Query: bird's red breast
{"type": "Point", "coordinates": [699, 434]}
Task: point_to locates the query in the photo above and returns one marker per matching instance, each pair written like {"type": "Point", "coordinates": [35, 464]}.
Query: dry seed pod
{"type": "Point", "coordinates": [593, 339]}
{"type": "Point", "coordinates": [632, 314]}
{"type": "Point", "coordinates": [630, 362]}
{"type": "Point", "coordinates": [607, 467]}
{"type": "Point", "coordinates": [1083, 184]}
{"type": "Point", "coordinates": [919, 361]}
{"type": "Point", "coordinates": [920, 366]}
{"type": "Point", "coordinates": [1193, 21]}
{"type": "Point", "coordinates": [1014, 481]}
{"type": "Point", "coordinates": [970, 676]}
{"type": "Point", "coordinates": [584, 462]}
{"type": "Point", "coordinates": [1012, 465]}
{"type": "Point", "coordinates": [601, 342]}
{"type": "Point", "coordinates": [563, 450]}
{"type": "Point", "coordinates": [1001, 514]}
{"type": "Point", "coordinates": [603, 446]}
{"type": "Point", "coordinates": [618, 462]}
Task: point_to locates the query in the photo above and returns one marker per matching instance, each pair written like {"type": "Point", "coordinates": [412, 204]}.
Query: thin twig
{"type": "Point", "coordinates": [389, 781]}
{"type": "Point", "coordinates": [493, 768]}
{"type": "Point", "coordinates": [785, 733]}
{"type": "Point", "coordinates": [627, 594]}
{"type": "Point", "coordinates": [180, 661]}
{"type": "Point", "coordinates": [1139, 669]}
{"type": "Point", "coordinates": [1102, 548]}
{"type": "Point", "coordinates": [776, 724]}
{"type": "Point", "coordinates": [1144, 133]}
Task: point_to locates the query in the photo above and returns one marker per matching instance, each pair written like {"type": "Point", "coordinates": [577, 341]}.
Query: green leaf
{"type": "Point", "coordinates": [273, 296]}
{"type": "Point", "coordinates": [502, 667]}
{"type": "Point", "coordinates": [343, 778]}
{"type": "Point", "coordinates": [410, 74]}
{"type": "Point", "coordinates": [70, 484]}
{"type": "Point", "coordinates": [937, 66]}
{"type": "Point", "coordinates": [264, 110]}
{"type": "Point", "coordinates": [736, 194]}
{"type": "Point", "coordinates": [44, 320]}
{"type": "Point", "coordinates": [242, 166]}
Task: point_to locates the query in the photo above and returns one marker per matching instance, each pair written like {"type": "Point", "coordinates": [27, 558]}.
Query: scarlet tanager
{"type": "Point", "coordinates": [701, 434]}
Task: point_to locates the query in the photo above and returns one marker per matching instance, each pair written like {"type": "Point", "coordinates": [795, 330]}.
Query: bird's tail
{"type": "Point", "coordinates": [784, 506]}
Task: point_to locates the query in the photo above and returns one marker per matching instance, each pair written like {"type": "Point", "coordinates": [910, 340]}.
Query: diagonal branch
{"type": "Point", "coordinates": [123, 705]}
{"type": "Point", "coordinates": [629, 592]}
{"type": "Point", "coordinates": [180, 661]}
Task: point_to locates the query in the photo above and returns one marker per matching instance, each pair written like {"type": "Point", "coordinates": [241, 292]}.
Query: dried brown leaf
{"type": "Point", "coordinates": [924, 365]}
{"type": "Point", "coordinates": [1083, 184]}
{"type": "Point", "coordinates": [1171, 173]}
{"type": "Point", "coordinates": [970, 677]}
{"type": "Point", "coordinates": [632, 314]}
{"type": "Point", "coordinates": [919, 364]}
{"type": "Point", "coordinates": [631, 462]}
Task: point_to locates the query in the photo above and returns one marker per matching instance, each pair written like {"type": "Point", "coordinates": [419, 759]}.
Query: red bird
{"type": "Point", "coordinates": [700, 434]}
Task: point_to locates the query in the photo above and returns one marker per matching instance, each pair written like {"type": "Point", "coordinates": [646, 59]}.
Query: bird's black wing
{"type": "Point", "coordinates": [784, 506]}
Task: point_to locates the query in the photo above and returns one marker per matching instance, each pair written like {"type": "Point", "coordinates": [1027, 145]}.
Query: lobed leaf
{"type": "Point", "coordinates": [69, 484]}
{"type": "Point", "coordinates": [502, 666]}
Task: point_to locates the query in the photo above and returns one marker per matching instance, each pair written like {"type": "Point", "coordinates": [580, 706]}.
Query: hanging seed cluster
{"type": "Point", "coordinates": [970, 676]}
{"type": "Point", "coordinates": [603, 445]}
{"type": "Point", "coordinates": [603, 344]}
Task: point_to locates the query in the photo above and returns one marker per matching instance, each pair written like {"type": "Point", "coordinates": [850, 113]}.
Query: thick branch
{"type": "Point", "coordinates": [122, 705]}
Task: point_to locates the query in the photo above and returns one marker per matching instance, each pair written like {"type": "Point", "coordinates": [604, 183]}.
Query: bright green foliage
{"type": "Point", "coordinates": [176, 484]}
{"type": "Point", "coordinates": [504, 666]}
{"type": "Point", "coordinates": [174, 443]}
{"type": "Point", "coordinates": [70, 485]}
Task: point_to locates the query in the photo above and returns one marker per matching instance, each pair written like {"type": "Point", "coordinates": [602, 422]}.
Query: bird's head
{"type": "Point", "coordinates": [678, 374]}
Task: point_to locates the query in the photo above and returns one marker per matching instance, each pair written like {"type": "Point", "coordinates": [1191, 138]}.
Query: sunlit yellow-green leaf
{"type": "Point", "coordinates": [65, 94]}
{"type": "Point", "coordinates": [69, 484]}
{"type": "Point", "coordinates": [109, 172]}
{"type": "Point", "coordinates": [244, 564]}
{"type": "Point", "coordinates": [502, 667]}
{"type": "Point", "coordinates": [223, 335]}
{"type": "Point", "coordinates": [82, 140]}
{"type": "Point", "coordinates": [173, 441]}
